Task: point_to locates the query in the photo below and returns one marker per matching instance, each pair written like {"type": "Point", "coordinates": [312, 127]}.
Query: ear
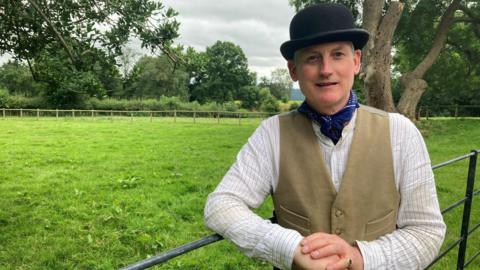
{"type": "Point", "coordinates": [357, 60]}
{"type": "Point", "coordinates": [292, 69]}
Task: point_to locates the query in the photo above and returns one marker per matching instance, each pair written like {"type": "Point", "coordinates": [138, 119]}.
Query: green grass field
{"type": "Point", "coordinates": [101, 194]}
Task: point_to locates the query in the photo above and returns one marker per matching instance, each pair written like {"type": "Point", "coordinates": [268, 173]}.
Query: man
{"type": "Point", "coordinates": [379, 210]}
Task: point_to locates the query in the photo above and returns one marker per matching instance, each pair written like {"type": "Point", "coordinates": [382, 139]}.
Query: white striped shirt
{"type": "Point", "coordinates": [254, 176]}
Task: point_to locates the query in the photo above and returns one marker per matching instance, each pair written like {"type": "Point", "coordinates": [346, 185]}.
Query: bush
{"type": "Point", "coordinates": [268, 102]}
{"type": "Point", "coordinates": [21, 102]}
{"type": "Point", "coordinates": [230, 106]}
{"type": "Point", "coordinates": [4, 98]}
{"type": "Point", "coordinates": [293, 106]}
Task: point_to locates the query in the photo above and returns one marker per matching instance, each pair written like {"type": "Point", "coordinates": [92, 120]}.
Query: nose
{"type": "Point", "coordinates": [325, 68]}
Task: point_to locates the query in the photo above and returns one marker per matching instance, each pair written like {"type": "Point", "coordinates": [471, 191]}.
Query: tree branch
{"type": "Point", "coordinates": [57, 33]}
{"type": "Point", "coordinates": [439, 40]}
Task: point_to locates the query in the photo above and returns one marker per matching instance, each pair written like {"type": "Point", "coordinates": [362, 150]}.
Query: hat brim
{"type": "Point", "coordinates": [358, 37]}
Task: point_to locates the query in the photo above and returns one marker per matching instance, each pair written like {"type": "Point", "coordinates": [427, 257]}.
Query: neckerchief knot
{"type": "Point", "coordinates": [332, 125]}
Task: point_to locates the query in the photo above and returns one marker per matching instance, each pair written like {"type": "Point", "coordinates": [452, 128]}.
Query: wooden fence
{"type": "Point", "coordinates": [116, 114]}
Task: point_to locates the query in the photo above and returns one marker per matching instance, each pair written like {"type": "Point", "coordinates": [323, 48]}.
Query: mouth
{"type": "Point", "coordinates": [325, 84]}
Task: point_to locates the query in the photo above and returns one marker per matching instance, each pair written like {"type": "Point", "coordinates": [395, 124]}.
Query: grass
{"type": "Point", "coordinates": [101, 194]}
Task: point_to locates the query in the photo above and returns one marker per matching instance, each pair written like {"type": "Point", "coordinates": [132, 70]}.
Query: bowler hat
{"type": "Point", "coordinates": [320, 24]}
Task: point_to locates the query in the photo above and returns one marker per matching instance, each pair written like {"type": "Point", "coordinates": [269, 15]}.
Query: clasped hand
{"type": "Point", "coordinates": [327, 251]}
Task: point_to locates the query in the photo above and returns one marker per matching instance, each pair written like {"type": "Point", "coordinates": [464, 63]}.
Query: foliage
{"type": "Point", "coordinates": [84, 37]}
{"type": "Point", "coordinates": [22, 102]}
{"type": "Point", "coordinates": [29, 27]}
{"type": "Point", "coordinates": [92, 197]}
{"type": "Point", "coordinates": [153, 77]}
{"type": "Point", "coordinates": [455, 76]}
{"type": "Point", "coordinates": [218, 73]}
{"type": "Point", "coordinates": [66, 88]}
{"type": "Point", "coordinates": [268, 103]}
{"type": "Point", "coordinates": [16, 77]}
{"type": "Point", "coordinates": [250, 97]}
{"type": "Point", "coordinates": [4, 97]}
{"type": "Point", "coordinates": [280, 84]}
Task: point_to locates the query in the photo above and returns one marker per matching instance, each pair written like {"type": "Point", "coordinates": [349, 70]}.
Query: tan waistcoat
{"type": "Point", "coordinates": [305, 199]}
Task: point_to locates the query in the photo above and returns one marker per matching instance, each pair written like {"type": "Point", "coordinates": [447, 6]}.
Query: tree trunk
{"type": "Point", "coordinates": [412, 82]}
{"type": "Point", "coordinates": [377, 58]}
{"type": "Point", "coordinates": [413, 91]}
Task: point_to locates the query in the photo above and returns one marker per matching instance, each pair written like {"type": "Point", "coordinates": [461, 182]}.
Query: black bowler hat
{"type": "Point", "coordinates": [320, 24]}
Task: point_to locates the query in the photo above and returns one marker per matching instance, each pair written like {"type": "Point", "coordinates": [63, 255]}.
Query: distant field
{"type": "Point", "coordinates": [101, 194]}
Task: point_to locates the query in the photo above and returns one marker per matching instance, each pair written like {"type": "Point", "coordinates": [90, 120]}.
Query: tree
{"type": "Point", "coordinates": [153, 77]}
{"type": "Point", "coordinates": [32, 30]}
{"type": "Point", "coordinates": [28, 27]}
{"type": "Point", "coordinates": [250, 97]}
{"type": "Point", "coordinates": [381, 19]}
{"type": "Point", "coordinates": [280, 84]}
{"type": "Point", "coordinates": [219, 73]}
{"type": "Point", "coordinates": [64, 87]}
{"type": "Point", "coordinates": [16, 77]}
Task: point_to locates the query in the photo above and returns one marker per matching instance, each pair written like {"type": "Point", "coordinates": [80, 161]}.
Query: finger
{"type": "Point", "coordinates": [339, 244]}
{"type": "Point", "coordinates": [314, 236]}
{"type": "Point", "coordinates": [324, 262]}
{"type": "Point", "coordinates": [315, 244]}
{"type": "Point", "coordinates": [340, 264]}
{"type": "Point", "coordinates": [328, 250]}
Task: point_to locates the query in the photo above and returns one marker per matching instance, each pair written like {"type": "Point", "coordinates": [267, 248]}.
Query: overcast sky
{"type": "Point", "coordinates": [258, 27]}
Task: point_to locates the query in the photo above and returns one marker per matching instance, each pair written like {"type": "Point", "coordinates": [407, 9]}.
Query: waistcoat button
{"type": "Point", "coordinates": [338, 213]}
{"type": "Point", "coordinates": [338, 231]}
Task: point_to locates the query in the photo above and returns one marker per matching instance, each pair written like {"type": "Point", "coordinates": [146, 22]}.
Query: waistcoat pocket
{"type": "Point", "coordinates": [380, 226]}
{"type": "Point", "coordinates": [293, 220]}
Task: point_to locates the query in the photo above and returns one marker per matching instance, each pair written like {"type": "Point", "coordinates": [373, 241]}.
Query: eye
{"type": "Point", "coordinates": [314, 58]}
{"type": "Point", "coordinates": [338, 54]}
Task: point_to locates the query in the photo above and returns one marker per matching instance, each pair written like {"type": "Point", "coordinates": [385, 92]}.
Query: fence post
{"type": "Point", "coordinates": [175, 115]}
{"type": "Point", "coordinates": [93, 113]}
{"type": "Point", "coordinates": [151, 116]}
{"type": "Point", "coordinates": [3, 112]}
{"type": "Point", "coordinates": [38, 114]}
{"type": "Point", "coordinates": [218, 117]}
{"type": "Point", "coordinates": [73, 113]}
{"type": "Point", "coordinates": [21, 112]}
{"type": "Point", "coordinates": [194, 116]}
{"type": "Point", "coordinates": [239, 119]}
{"type": "Point", "coordinates": [111, 115]}
{"type": "Point", "coordinates": [56, 113]}
{"type": "Point", "coordinates": [467, 207]}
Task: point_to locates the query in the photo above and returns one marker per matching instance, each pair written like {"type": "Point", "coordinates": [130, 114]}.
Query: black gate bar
{"type": "Point", "coordinates": [163, 257]}
{"type": "Point", "coordinates": [467, 207]}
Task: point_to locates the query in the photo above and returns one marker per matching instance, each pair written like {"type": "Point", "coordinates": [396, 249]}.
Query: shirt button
{"type": "Point", "coordinates": [338, 213]}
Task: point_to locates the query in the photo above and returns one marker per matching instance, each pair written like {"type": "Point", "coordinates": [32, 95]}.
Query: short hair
{"type": "Point", "coordinates": [295, 54]}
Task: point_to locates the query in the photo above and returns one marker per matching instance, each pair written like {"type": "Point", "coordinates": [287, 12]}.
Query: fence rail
{"type": "Point", "coordinates": [113, 114]}
{"type": "Point", "coordinates": [461, 241]}
{"type": "Point", "coordinates": [448, 111]}
{"type": "Point", "coordinates": [423, 112]}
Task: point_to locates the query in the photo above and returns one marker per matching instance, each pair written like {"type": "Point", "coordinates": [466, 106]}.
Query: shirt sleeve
{"type": "Point", "coordinates": [420, 226]}
{"type": "Point", "coordinates": [249, 181]}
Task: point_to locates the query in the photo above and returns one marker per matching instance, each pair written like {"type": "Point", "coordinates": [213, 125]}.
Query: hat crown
{"type": "Point", "coordinates": [322, 23]}
{"type": "Point", "coordinates": [322, 18]}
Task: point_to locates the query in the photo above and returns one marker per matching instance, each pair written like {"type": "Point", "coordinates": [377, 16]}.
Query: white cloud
{"type": "Point", "coordinates": [258, 27]}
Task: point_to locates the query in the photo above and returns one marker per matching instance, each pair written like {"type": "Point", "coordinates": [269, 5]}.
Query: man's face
{"type": "Point", "coordinates": [325, 73]}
